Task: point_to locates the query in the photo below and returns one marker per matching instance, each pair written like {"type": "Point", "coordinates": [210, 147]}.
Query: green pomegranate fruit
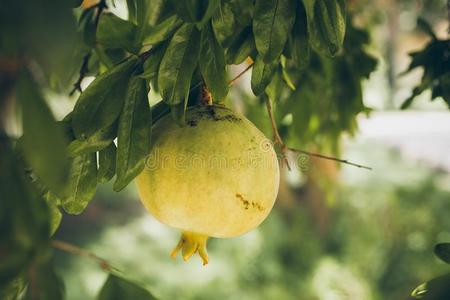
{"type": "Point", "coordinates": [217, 176]}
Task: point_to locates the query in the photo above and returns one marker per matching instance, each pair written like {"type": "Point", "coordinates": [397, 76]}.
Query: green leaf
{"type": "Point", "coordinates": [162, 31]}
{"type": "Point", "coordinates": [275, 87]}
{"type": "Point", "coordinates": [195, 11]}
{"type": "Point", "coordinates": [262, 74]}
{"type": "Point", "coordinates": [211, 8]}
{"type": "Point", "coordinates": [286, 77]}
{"type": "Point", "coordinates": [86, 25]}
{"type": "Point", "coordinates": [230, 19]}
{"type": "Point", "coordinates": [98, 141]}
{"type": "Point", "coordinates": [272, 22]}
{"type": "Point", "coordinates": [24, 217]}
{"type": "Point", "coordinates": [300, 43]}
{"type": "Point", "coordinates": [114, 32]}
{"type": "Point", "coordinates": [44, 283]}
{"type": "Point", "coordinates": [326, 24]}
{"type": "Point", "coordinates": [55, 217]}
{"type": "Point", "coordinates": [43, 142]}
{"type": "Point", "coordinates": [83, 183]}
{"type": "Point", "coordinates": [100, 104]}
{"type": "Point", "coordinates": [212, 65]}
{"type": "Point", "coordinates": [132, 11]}
{"type": "Point", "coordinates": [106, 163]}
{"type": "Point", "coordinates": [434, 60]}
{"type": "Point", "coordinates": [133, 139]}
{"type": "Point", "coordinates": [436, 289]}
{"type": "Point", "coordinates": [151, 64]}
{"type": "Point", "coordinates": [241, 48]}
{"type": "Point", "coordinates": [443, 251]}
{"type": "Point", "coordinates": [178, 64]}
{"type": "Point", "coordinates": [117, 288]}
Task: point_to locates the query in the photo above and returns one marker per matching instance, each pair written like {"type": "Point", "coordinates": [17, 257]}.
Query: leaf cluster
{"type": "Point", "coordinates": [435, 61]}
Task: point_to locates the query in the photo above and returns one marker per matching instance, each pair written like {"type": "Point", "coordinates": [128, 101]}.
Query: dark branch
{"type": "Point", "coordinates": [233, 81]}
{"type": "Point", "coordinates": [100, 6]}
{"type": "Point", "coordinates": [344, 161]}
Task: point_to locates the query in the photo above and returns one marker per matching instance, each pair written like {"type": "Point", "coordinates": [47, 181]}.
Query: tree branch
{"type": "Point", "coordinates": [100, 6]}
{"type": "Point", "coordinates": [276, 134]}
{"type": "Point", "coordinates": [344, 161]}
{"type": "Point", "coordinates": [83, 71]}
{"type": "Point", "coordinates": [72, 249]}
{"type": "Point", "coordinates": [233, 81]}
{"type": "Point", "coordinates": [284, 148]}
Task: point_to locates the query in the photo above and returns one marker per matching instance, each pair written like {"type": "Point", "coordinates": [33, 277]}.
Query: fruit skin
{"type": "Point", "coordinates": [216, 176]}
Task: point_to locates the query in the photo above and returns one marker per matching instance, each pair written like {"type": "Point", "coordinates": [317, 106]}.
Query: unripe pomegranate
{"type": "Point", "coordinates": [217, 176]}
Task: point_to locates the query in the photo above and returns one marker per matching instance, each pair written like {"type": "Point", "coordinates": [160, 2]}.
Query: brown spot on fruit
{"type": "Point", "coordinates": [248, 204]}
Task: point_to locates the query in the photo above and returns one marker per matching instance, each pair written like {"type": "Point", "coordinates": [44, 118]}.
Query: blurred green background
{"type": "Point", "coordinates": [370, 236]}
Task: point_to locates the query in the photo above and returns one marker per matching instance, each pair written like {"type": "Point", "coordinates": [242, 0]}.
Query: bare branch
{"type": "Point", "coordinates": [276, 134]}
{"type": "Point", "coordinates": [344, 161]}
{"type": "Point", "coordinates": [100, 6]}
{"type": "Point", "coordinates": [233, 81]}
{"type": "Point", "coordinates": [83, 71]}
{"type": "Point", "coordinates": [284, 148]}
{"type": "Point", "coordinates": [72, 249]}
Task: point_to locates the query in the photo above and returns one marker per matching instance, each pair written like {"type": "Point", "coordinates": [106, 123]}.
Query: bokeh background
{"type": "Point", "coordinates": [336, 231]}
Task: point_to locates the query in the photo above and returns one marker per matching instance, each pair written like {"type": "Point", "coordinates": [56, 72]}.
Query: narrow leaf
{"type": "Point", "coordinates": [162, 31]}
{"type": "Point", "coordinates": [326, 24]}
{"type": "Point", "coordinates": [114, 32]}
{"type": "Point", "coordinates": [178, 64]}
{"type": "Point", "coordinates": [273, 90]}
{"type": "Point", "coordinates": [212, 65]}
{"type": "Point", "coordinates": [286, 77]}
{"type": "Point", "coordinates": [211, 8]}
{"type": "Point", "coordinates": [272, 22]}
{"type": "Point", "coordinates": [100, 104]}
{"type": "Point", "coordinates": [230, 19]}
{"type": "Point", "coordinates": [83, 183]}
{"type": "Point", "coordinates": [98, 141]}
{"type": "Point", "coordinates": [151, 65]}
{"type": "Point", "coordinates": [262, 74]}
{"type": "Point", "coordinates": [133, 140]}
{"type": "Point", "coordinates": [43, 142]}
{"type": "Point", "coordinates": [189, 10]}
{"type": "Point", "coordinates": [300, 44]}
{"type": "Point", "coordinates": [241, 48]}
{"type": "Point", "coordinates": [106, 163]}
{"type": "Point", "coordinates": [132, 11]}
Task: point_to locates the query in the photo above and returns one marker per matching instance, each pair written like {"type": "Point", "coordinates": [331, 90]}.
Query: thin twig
{"type": "Point", "coordinates": [100, 6]}
{"type": "Point", "coordinates": [276, 134]}
{"type": "Point", "coordinates": [83, 71]}
{"type": "Point", "coordinates": [232, 81]}
{"type": "Point", "coordinates": [72, 249]}
{"type": "Point", "coordinates": [284, 148]}
{"type": "Point", "coordinates": [344, 161]}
